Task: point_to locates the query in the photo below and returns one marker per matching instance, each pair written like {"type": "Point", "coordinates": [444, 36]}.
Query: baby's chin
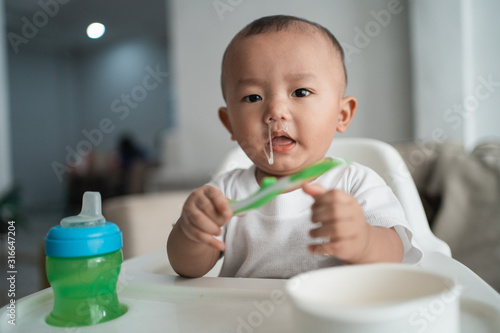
{"type": "Point", "coordinates": [278, 169]}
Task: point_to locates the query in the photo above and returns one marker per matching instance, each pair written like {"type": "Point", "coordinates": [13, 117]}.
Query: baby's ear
{"type": "Point", "coordinates": [348, 107]}
{"type": "Point", "coordinates": [224, 118]}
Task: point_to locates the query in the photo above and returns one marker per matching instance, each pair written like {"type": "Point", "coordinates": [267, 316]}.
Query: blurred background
{"type": "Point", "coordinates": [135, 111]}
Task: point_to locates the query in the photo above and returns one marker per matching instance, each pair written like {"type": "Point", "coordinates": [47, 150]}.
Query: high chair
{"type": "Point", "coordinates": [386, 161]}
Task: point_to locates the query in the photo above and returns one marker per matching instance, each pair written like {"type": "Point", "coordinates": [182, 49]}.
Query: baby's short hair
{"type": "Point", "coordinates": [287, 22]}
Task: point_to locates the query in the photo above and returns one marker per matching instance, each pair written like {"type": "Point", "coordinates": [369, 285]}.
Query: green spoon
{"type": "Point", "coordinates": [271, 186]}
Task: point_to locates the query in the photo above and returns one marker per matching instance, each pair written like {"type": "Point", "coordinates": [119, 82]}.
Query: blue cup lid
{"type": "Point", "coordinates": [83, 241]}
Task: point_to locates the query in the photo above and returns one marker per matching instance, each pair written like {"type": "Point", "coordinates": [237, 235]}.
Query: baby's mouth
{"type": "Point", "coordinates": [279, 141]}
{"type": "Point", "coordinates": [282, 140]}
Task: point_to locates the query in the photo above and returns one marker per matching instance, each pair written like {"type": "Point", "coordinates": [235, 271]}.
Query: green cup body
{"type": "Point", "coordinates": [84, 289]}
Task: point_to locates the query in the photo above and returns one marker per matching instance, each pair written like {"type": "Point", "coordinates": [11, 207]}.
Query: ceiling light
{"type": "Point", "coordinates": [95, 30]}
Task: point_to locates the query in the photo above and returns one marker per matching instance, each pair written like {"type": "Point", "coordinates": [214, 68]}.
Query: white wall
{"type": "Point", "coordinates": [484, 44]}
{"type": "Point", "coordinates": [116, 83]}
{"type": "Point", "coordinates": [378, 67]}
{"type": "Point", "coordinates": [455, 51]}
{"type": "Point", "coordinates": [41, 95]}
{"type": "Point", "coordinates": [57, 93]}
{"type": "Point", "coordinates": [5, 151]}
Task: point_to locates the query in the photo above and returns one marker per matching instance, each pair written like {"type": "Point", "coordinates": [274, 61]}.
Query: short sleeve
{"type": "Point", "coordinates": [381, 207]}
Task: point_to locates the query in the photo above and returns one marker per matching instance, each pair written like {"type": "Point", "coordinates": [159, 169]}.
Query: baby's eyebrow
{"type": "Point", "coordinates": [248, 82]}
{"type": "Point", "coordinates": [301, 76]}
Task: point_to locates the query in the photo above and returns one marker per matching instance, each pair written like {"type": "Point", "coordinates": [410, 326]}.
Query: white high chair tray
{"type": "Point", "coordinates": [165, 303]}
{"type": "Point", "coordinates": [170, 304]}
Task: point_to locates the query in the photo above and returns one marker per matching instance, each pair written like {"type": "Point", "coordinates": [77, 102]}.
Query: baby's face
{"type": "Point", "coordinates": [293, 82]}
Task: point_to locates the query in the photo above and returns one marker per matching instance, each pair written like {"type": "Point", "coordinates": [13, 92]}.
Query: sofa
{"type": "Point", "coordinates": [460, 191]}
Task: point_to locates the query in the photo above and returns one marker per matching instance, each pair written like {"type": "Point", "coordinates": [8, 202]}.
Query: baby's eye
{"type": "Point", "coordinates": [252, 98]}
{"type": "Point", "coordinates": [301, 93]}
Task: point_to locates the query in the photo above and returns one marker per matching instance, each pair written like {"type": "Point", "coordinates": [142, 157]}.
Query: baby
{"type": "Point", "coordinates": [283, 81]}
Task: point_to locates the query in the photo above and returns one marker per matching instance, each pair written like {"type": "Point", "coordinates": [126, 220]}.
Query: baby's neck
{"type": "Point", "coordinates": [260, 175]}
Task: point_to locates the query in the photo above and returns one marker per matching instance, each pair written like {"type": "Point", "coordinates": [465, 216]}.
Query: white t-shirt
{"type": "Point", "coordinates": [271, 242]}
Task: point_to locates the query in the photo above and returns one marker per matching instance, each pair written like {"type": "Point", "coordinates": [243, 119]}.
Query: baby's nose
{"type": "Point", "coordinates": [277, 110]}
{"type": "Point", "coordinates": [278, 125]}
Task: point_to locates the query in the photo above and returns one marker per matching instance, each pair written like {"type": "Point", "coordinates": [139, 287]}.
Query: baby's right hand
{"type": "Point", "coordinates": [205, 211]}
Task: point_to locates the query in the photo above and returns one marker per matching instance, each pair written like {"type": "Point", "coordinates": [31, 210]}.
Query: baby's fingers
{"type": "Point", "coordinates": [210, 201]}
{"type": "Point", "coordinates": [207, 209]}
{"type": "Point", "coordinates": [336, 248]}
{"type": "Point", "coordinates": [336, 230]}
{"type": "Point", "coordinates": [203, 214]}
{"type": "Point", "coordinates": [195, 218]}
{"type": "Point", "coordinates": [314, 190]}
{"type": "Point", "coordinates": [197, 235]}
{"type": "Point", "coordinates": [219, 203]}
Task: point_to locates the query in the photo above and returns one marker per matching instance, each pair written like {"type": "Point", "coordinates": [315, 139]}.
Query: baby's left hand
{"type": "Point", "coordinates": [342, 221]}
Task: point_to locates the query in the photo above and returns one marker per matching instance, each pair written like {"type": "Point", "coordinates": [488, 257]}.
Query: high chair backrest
{"type": "Point", "coordinates": [386, 161]}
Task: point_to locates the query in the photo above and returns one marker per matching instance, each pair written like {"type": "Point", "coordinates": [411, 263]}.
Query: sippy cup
{"type": "Point", "coordinates": [84, 254]}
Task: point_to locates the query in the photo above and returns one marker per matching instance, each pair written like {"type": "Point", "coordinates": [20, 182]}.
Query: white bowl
{"type": "Point", "coordinates": [374, 298]}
